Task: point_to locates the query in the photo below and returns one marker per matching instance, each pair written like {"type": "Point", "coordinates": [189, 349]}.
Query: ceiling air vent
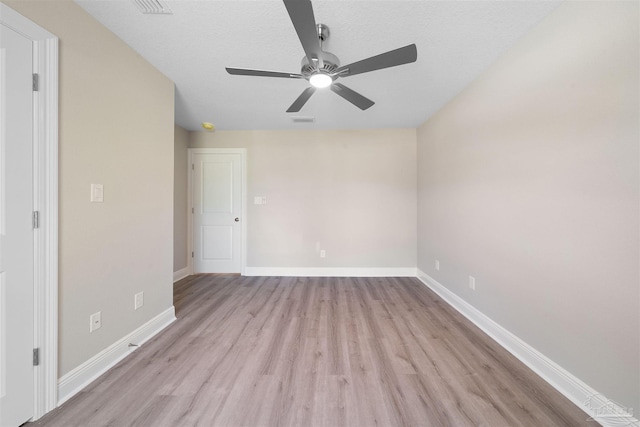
{"type": "Point", "coordinates": [152, 7]}
{"type": "Point", "coordinates": [303, 119]}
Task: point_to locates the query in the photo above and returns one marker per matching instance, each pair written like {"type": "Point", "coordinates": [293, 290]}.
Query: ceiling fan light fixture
{"type": "Point", "coordinates": [320, 80]}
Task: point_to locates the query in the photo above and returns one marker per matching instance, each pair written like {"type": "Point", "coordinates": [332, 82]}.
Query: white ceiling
{"type": "Point", "coordinates": [456, 41]}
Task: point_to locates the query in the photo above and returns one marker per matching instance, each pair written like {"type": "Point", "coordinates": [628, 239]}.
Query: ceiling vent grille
{"type": "Point", "coordinates": [303, 119]}
{"type": "Point", "coordinates": [153, 7]}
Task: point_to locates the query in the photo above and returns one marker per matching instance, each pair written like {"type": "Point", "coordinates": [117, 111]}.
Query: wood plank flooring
{"type": "Point", "coordinates": [286, 351]}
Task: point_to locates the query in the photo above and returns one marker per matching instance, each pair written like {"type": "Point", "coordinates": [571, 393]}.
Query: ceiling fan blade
{"type": "Point", "coordinates": [352, 96]}
{"type": "Point", "coordinates": [403, 55]}
{"type": "Point", "coordinates": [302, 99]}
{"type": "Point", "coordinates": [301, 14]}
{"type": "Point", "coordinates": [260, 73]}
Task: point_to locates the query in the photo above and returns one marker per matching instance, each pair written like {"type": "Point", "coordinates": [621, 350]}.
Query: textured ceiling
{"type": "Point", "coordinates": [456, 41]}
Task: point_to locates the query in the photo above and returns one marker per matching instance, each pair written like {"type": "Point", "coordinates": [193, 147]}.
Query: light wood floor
{"type": "Point", "coordinates": [317, 352]}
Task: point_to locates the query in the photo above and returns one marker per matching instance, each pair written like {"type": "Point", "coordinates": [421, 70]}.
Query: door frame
{"type": "Point", "coordinates": [243, 198]}
{"type": "Point", "coordinates": [45, 169]}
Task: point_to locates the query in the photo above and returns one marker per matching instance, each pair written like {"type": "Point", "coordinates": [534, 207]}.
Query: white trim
{"type": "Point", "coordinates": [243, 198]}
{"type": "Point", "coordinates": [80, 377]}
{"type": "Point", "coordinates": [330, 272]}
{"type": "Point", "coordinates": [582, 395]}
{"type": "Point", "coordinates": [180, 274]}
{"type": "Point", "coordinates": [45, 63]}
{"type": "Point", "coordinates": [47, 329]}
{"type": "Point", "coordinates": [189, 212]}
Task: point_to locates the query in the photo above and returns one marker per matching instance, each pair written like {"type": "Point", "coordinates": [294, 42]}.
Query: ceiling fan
{"type": "Point", "coordinates": [322, 68]}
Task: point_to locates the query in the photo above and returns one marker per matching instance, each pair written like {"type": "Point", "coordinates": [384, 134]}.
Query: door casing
{"type": "Point", "coordinates": [243, 192]}
{"type": "Point", "coordinates": [45, 167]}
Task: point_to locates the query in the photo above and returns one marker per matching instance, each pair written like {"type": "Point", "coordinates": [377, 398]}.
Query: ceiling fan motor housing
{"type": "Point", "coordinates": [329, 60]}
{"type": "Point", "coordinates": [330, 65]}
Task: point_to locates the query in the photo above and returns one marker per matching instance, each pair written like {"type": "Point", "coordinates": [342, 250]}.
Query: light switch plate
{"type": "Point", "coordinates": [138, 300]}
{"type": "Point", "coordinates": [97, 193]}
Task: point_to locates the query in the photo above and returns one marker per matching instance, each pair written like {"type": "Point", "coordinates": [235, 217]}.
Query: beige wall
{"type": "Point", "coordinates": [180, 190]}
{"type": "Point", "coordinates": [529, 181]}
{"type": "Point", "coordinates": [352, 191]}
{"type": "Point", "coordinates": [116, 129]}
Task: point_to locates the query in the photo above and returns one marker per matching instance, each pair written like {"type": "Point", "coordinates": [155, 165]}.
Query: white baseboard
{"type": "Point", "coordinates": [330, 272]}
{"type": "Point", "coordinates": [181, 274]}
{"type": "Point", "coordinates": [77, 379]}
{"type": "Point", "coordinates": [596, 405]}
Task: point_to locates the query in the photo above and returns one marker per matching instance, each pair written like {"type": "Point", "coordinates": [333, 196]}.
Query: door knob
{"type": "Point", "coordinates": [237, 220]}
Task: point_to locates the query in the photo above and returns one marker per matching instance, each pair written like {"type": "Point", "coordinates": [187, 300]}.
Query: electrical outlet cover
{"type": "Point", "coordinates": [95, 321]}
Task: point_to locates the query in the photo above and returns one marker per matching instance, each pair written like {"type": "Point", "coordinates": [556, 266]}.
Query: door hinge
{"type": "Point", "coordinates": [36, 356]}
{"type": "Point", "coordinates": [36, 219]}
{"type": "Point", "coordinates": [35, 82]}
{"type": "Point", "coordinates": [192, 167]}
{"type": "Point", "coordinates": [192, 210]}
{"type": "Point", "coordinates": [191, 254]}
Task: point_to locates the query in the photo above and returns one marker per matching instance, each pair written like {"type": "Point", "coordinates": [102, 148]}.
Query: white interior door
{"type": "Point", "coordinates": [217, 209]}
{"type": "Point", "coordinates": [16, 229]}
